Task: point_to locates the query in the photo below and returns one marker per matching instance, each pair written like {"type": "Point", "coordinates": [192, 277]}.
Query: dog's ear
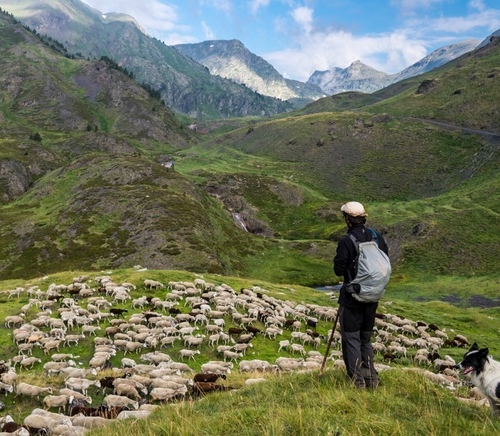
{"type": "Point", "coordinates": [474, 347]}
{"type": "Point", "coordinates": [484, 352]}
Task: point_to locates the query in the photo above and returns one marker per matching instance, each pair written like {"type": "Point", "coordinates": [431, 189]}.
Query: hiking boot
{"type": "Point", "coordinates": [372, 382]}
{"type": "Point", "coordinates": [371, 378]}
{"type": "Point", "coordinates": [359, 383]}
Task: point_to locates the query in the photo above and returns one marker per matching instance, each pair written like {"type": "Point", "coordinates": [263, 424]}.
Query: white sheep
{"type": "Point", "coordinates": [76, 395]}
{"type": "Point", "coordinates": [59, 401]}
{"type": "Point", "coordinates": [81, 384]}
{"type": "Point", "coordinates": [127, 390]}
{"type": "Point", "coordinates": [165, 394]}
{"type": "Point", "coordinates": [119, 401]}
{"type": "Point", "coordinates": [90, 422]}
{"type": "Point", "coordinates": [8, 389]}
{"type": "Point", "coordinates": [188, 353]}
{"type": "Point", "coordinates": [32, 390]}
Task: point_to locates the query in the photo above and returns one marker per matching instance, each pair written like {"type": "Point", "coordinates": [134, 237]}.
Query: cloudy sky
{"type": "Point", "coordinates": [300, 36]}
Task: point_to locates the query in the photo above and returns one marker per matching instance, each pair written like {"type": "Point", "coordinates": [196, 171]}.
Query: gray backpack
{"type": "Point", "coordinates": [373, 271]}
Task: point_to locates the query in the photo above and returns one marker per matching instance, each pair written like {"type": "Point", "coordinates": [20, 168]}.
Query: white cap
{"type": "Point", "coordinates": [353, 208]}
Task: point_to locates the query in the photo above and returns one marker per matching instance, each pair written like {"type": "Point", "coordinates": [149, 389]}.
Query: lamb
{"type": "Point", "coordinates": [31, 390]}
{"type": "Point", "coordinates": [59, 401]}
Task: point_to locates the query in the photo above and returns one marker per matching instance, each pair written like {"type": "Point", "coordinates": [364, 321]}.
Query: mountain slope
{"type": "Point", "coordinates": [231, 60]}
{"type": "Point", "coordinates": [186, 86]}
{"type": "Point", "coordinates": [356, 77]}
{"type": "Point", "coordinates": [91, 189]}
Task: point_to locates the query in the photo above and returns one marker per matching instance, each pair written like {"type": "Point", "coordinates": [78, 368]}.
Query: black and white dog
{"type": "Point", "coordinates": [484, 374]}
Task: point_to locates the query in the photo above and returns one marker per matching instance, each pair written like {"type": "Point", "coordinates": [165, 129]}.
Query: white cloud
{"type": "Point", "coordinates": [414, 6]}
{"type": "Point", "coordinates": [209, 34]}
{"type": "Point", "coordinates": [221, 5]}
{"type": "Point", "coordinates": [477, 4]}
{"type": "Point", "coordinates": [151, 14]}
{"type": "Point", "coordinates": [255, 5]}
{"type": "Point", "coordinates": [321, 51]}
{"type": "Point", "coordinates": [303, 16]}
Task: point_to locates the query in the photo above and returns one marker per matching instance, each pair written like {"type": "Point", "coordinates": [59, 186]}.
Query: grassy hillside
{"type": "Point", "coordinates": [287, 403]}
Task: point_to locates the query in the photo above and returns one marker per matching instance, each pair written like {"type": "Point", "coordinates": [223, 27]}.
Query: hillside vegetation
{"type": "Point", "coordinates": [91, 191]}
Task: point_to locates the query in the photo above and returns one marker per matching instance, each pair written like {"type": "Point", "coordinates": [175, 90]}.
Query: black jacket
{"type": "Point", "coordinates": [344, 261]}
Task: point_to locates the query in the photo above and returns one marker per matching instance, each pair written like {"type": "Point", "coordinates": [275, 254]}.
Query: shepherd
{"type": "Point", "coordinates": [357, 318]}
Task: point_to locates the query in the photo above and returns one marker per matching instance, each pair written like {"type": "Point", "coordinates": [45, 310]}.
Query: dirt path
{"type": "Point", "coordinates": [483, 155]}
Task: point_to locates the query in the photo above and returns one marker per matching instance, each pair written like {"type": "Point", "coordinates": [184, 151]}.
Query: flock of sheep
{"type": "Point", "coordinates": [180, 317]}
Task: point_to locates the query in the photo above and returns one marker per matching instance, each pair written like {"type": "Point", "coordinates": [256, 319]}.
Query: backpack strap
{"type": "Point", "coordinates": [374, 234]}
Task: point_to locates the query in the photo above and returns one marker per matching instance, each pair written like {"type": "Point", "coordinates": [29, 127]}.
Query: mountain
{"type": "Point", "coordinates": [356, 77]}
{"type": "Point", "coordinates": [437, 58]}
{"type": "Point", "coordinates": [362, 78]}
{"type": "Point", "coordinates": [83, 179]}
{"type": "Point", "coordinates": [232, 60]}
{"type": "Point", "coordinates": [185, 85]}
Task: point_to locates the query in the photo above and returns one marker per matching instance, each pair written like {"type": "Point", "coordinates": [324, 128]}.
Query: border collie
{"type": "Point", "coordinates": [484, 374]}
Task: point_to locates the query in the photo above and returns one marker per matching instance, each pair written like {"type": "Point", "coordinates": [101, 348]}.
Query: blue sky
{"type": "Point", "coordinates": [300, 36]}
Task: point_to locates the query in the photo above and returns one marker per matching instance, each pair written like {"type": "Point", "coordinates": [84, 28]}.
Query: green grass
{"type": "Point", "coordinates": [303, 405]}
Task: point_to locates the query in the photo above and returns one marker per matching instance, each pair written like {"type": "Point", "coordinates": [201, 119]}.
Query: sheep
{"type": "Point", "coordinates": [165, 394]}
{"type": "Point", "coordinates": [283, 344]}
{"type": "Point", "coordinates": [299, 348]}
{"type": "Point", "coordinates": [135, 414]}
{"type": "Point", "coordinates": [231, 355]}
{"type": "Point", "coordinates": [212, 378]}
{"type": "Point", "coordinates": [51, 345]}
{"type": "Point", "coordinates": [31, 390]}
{"type": "Point", "coordinates": [14, 321]}
{"type": "Point", "coordinates": [39, 422]}
{"type": "Point", "coordinates": [76, 395]}
{"type": "Point", "coordinates": [204, 388]}
{"type": "Point", "coordinates": [6, 388]}
{"type": "Point", "coordinates": [127, 391]}
{"type": "Point", "coordinates": [215, 369]}
{"type": "Point", "coordinates": [59, 401]}
{"type": "Point", "coordinates": [153, 284]}
{"type": "Point", "coordinates": [251, 381]}
{"type": "Point", "coordinates": [29, 361]}
{"type": "Point", "coordinates": [119, 401]}
{"type": "Point", "coordinates": [81, 384]}
{"type": "Point", "coordinates": [90, 422]}
{"type": "Point", "coordinates": [56, 367]}
{"type": "Point", "coordinates": [62, 357]}
{"type": "Point", "coordinates": [188, 353]}
{"type": "Point", "coordinates": [288, 364]}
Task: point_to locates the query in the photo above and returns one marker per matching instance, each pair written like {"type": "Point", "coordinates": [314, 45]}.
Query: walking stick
{"type": "Point", "coordinates": [330, 339]}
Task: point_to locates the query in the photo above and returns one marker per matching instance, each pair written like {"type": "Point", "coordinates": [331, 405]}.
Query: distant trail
{"type": "Point", "coordinates": [483, 155]}
{"type": "Point", "coordinates": [489, 135]}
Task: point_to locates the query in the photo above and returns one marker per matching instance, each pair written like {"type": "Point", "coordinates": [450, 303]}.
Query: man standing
{"type": "Point", "coordinates": [356, 318]}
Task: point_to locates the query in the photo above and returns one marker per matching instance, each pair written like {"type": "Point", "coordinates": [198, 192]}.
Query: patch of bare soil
{"type": "Point", "coordinates": [479, 301]}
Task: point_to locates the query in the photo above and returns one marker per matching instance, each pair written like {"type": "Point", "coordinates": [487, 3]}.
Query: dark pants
{"type": "Point", "coordinates": [356, 326]}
